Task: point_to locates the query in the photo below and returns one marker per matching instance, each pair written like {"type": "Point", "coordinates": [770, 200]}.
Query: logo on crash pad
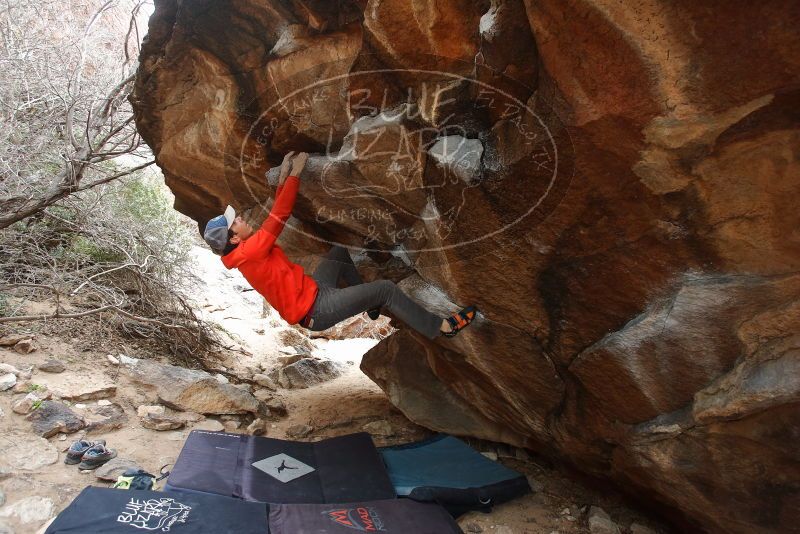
{"type": "Point", "coordinates": [154, 514]}
{"type": "Point", "coordinates": [283, 467]}
{"type": "Point", "coordinates": [362, 518]}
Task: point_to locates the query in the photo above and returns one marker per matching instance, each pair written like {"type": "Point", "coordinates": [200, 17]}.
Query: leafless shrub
{"type": "Point", "coordinates": [65, 123]}
{"type": "Point", "coordinates": [117, 254]}
{"type": "Point", "coordinates": [84, 246]}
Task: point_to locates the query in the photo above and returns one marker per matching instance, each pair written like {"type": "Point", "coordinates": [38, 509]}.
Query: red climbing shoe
{"type": "Point", "coordinates": [460, 320]}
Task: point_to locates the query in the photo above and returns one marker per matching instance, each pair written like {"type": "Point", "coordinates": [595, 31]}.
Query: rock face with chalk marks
{"type": "Point", "coordinates": [614, 185]}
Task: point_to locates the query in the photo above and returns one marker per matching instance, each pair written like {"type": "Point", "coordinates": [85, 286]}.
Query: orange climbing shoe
{"type": "Point", "coordinates": [460, 320]}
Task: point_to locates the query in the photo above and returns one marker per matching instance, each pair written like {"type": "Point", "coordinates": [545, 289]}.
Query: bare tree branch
{"type": "Point", "coordinates": [76, 315]}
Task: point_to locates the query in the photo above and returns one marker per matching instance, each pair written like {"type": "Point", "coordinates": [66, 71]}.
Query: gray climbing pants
{"type": "Point", "coordinates": [334, 304]}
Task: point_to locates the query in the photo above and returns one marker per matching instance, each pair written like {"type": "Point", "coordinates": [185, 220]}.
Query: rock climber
{"type": "Point", "coordinates": [314, 302]}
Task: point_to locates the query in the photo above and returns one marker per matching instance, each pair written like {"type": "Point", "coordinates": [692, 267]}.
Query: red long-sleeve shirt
{"type": "Point", "coordinates": [265, 266]}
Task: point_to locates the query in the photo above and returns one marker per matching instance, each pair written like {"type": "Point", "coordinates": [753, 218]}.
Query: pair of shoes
{"type": "Point", "coordinates": [89, 454]}
{"type": "Point", "coordinates": [459, 320]}
{"type": "Point", "coordinates": [78, 449]}
{"type": "Point", "coordinates": [374, 313]}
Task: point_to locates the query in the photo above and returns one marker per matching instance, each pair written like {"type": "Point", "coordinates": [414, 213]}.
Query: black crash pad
{"type": "Point", "coordinates": [341, 469]}
{"type": "Point", "coordinates": [396, 516]}
{"type": "Point", "coordinates": [115, 511]}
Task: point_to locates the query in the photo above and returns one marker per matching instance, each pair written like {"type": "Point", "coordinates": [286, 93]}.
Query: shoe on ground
{"type": "Point", "coordinates": [96, 456]}
{"type": "Point", "coordinates": [78, 449]}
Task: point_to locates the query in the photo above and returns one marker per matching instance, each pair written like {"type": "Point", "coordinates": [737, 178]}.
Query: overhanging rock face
{"type": "Point", "coordinates": [614, 186]}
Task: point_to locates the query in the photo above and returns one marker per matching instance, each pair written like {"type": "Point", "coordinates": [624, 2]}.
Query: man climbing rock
{"type": "Point", "coordinates": [315, 302]}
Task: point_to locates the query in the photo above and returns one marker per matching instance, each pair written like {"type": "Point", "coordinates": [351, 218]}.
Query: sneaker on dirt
{"type": "Point", "coordinates": [96, 456]}
{"type": "Point", "coordinates": [78, 449]}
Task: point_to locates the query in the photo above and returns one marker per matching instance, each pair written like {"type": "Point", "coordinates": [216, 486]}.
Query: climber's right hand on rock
{"type": "Point", "coordinates": [287, 160]}
{"type": "Point", "coordinates": [299, 163]}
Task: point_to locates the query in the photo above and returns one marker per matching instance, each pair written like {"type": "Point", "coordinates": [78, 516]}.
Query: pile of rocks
{"type": "Point", "coordinates": [22, 343]}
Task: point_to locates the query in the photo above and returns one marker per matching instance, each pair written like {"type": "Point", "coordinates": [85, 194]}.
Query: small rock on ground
{"type": "Point", "coordinates": [306, 373]}
{"type": "Point", "coordinates": [190, 417]}
{"type": "Point", "coordinates": [257, 428]}
{"type": "Point", "coordinates": [289, 360]}
{"type": "Point", "coordinates": [600, 522]}
{"type": "Point", "coordinates": [114, 468]}
{"type": "Point", "coordinates": [231, 426]}
{"type": "Point", "coordinates": [26, 404]}
{"type": "Point", "coordinates": [222, 379]}
{"type": "Point", "coordinates": [265, 381]}
{"type": "Point", "coordinates": [209, 425]}
{"type": "Point", "coordinates": [245, 387]}
{"type": "Point", "coordinates": [12, 339]}
{"type": "Point", "coordinates": [637, 528]}
{"type": "Point", "coordinates": [379, 428]}
{"type": "Point", "coordinates": [161, 422]}
{"type": "Point", "coordinates": [536, 486]}
{"type": "Point", "coordinates": [127, 360]}
{"type": "Point", "coordinates": [52, 366]}
{"type": "Point", "coordinates": [23, 386]}
{"type": "Point", "coordinates": [26, 346]}
{"type": "Point", "coordinates": [263, 394]}
{"type": "Point", "coordinates": [144, 410]}
{"type": "Point", "coordinates": [105, 417]}
{"type": "Point", "coordinates": [299, 431]}
{"type": "Point", "coordinates": [7, 381]}
{"type": "Point", "coordinates": [8, 368]}
{"type": "Point", "coordinates": [276, 407]}
{"type": "Point", "coordinates": [87, 393]}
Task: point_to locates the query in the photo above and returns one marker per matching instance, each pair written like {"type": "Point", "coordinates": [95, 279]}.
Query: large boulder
{"type": "Point", "coordinates": [614, 185]}
{"type": "Point", "coordinates": [190, 389]}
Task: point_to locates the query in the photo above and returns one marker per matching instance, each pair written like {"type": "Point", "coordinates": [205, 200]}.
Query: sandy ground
{"type": "Point", "coordinates": [343, 405]}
